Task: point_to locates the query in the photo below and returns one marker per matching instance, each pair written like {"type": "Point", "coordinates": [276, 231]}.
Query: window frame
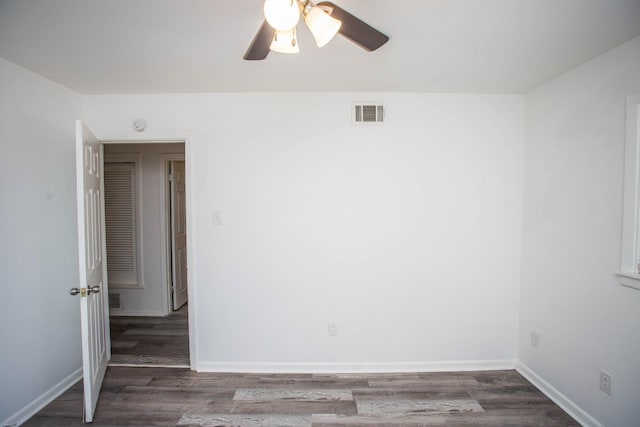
{"type": "Point", "coordinates": [629, 273]}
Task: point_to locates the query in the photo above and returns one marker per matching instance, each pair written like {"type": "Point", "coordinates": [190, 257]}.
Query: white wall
{"type": "Point", "coordinates": [151, 299]}
{"type": "Point", "coordinates": [407, 235]}
{"type": "Point", "coordinates": [39, 321]}
{"type": "Point", "coordinates": [572, 238]}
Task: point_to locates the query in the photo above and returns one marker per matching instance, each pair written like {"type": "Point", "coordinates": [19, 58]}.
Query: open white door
{"type": "Point", "coordinates": [94, 314]}
{"type": "Point", "coordinates": [178, 233]}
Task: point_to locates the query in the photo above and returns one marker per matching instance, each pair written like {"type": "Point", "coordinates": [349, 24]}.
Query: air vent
{"type": "Point", "coordinates": [368, 113]}
{"type": "Point", "coordinates": [114, 301]}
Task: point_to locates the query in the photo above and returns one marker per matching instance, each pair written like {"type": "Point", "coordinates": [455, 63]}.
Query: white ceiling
{"type": "Point", "coordinates": [159, 46]}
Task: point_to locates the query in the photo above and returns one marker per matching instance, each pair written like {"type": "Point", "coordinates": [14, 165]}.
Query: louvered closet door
{"type": "Point", "coordinates": [120, 221]}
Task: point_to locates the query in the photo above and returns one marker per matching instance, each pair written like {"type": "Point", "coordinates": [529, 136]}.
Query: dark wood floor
{"type": "Point", "coordinates": [151, 341]}
{"type": "Point", "coordinates": [171, 396]}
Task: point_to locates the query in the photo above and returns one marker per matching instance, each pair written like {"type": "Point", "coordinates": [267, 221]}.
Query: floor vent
{"type": "Point", "coordinates": [368, 113]}
{"type": "Point", "coordinates": [114, 301]}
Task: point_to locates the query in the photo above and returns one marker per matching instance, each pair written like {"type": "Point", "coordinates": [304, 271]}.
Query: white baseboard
{"type": "Point", "coordinates": [141, 313]}
{"type": "Point", "coordinates": [352, 368]}
{"type": "Point", "coordinates": [43, 400]}
{"type": "Point", "coordinates": [575, 411]}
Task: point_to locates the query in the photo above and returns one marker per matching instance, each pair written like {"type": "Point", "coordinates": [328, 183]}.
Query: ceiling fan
{"type": "Point", "coordinates": [324, 20]}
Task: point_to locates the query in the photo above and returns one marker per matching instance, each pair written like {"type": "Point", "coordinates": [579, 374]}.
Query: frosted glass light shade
{"type": "Point", "coordinates": [285, 42]}
{"type": "Point", "coordinates": [282, 15]}
{"type": "Point", "coordinates": [322, 25]}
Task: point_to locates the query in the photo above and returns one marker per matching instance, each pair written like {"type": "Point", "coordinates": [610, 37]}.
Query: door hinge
{"type": "Point", "coordinates": [170, 177]}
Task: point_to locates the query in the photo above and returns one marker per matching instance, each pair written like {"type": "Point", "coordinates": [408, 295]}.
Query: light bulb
{"type": "Point", "coordinates": [282, 15]}
{"type": "Point", "coordinates": [323, 26]}
{"type": "Point", "coordinates": [285, 42]}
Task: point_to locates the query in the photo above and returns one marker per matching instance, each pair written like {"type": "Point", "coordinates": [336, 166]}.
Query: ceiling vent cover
{"type": "Point", "coordinates": [369, 113]}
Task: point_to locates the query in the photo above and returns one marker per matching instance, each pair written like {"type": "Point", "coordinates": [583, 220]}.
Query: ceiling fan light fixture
{"type": "Point", "coordinates": [324, 20]}
{"type": "Point", "coordinates": [322, 25]}
{"type": "Point", "coordinates": [285, 42]}
{"type": "Point", "coordinates": [282, 15]}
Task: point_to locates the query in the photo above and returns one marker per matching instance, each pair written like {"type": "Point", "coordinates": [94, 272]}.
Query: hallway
{"type": "Point", "coordinates": [151, 341]}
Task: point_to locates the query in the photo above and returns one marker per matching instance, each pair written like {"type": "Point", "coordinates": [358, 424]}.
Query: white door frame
{"type": "Point", "coordinates": [186, 140]}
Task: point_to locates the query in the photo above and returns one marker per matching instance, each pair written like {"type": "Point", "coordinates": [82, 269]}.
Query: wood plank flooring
{"type": "Point", "coordinates": [170, 396]}
{"type": "Point", "coordinates": [151, 341]}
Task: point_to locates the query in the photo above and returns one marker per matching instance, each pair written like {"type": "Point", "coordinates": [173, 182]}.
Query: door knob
{"type": "Point", "coordinates": [83, 292]}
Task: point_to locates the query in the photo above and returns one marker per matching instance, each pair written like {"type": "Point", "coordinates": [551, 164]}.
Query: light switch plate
{"type": "Point", "coordinates": [217, 217]}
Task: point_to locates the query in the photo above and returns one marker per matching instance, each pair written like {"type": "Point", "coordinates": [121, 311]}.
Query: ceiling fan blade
{"type": "Point", "coordinates": [259, 47]}
{"type": "Point", "coordinates": [355, 29]}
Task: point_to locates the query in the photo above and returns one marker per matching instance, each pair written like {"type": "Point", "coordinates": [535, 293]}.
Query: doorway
{"type": "Point", "coordinates": [145, 219]}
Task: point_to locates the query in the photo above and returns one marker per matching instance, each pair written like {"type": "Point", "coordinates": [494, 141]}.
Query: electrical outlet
{"type": "Point", "coordinates": [333, 329]}
{"type": "Point", "coordinates": [605, 382]}
{"type": "Point", "coordinates": [535, 340]}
